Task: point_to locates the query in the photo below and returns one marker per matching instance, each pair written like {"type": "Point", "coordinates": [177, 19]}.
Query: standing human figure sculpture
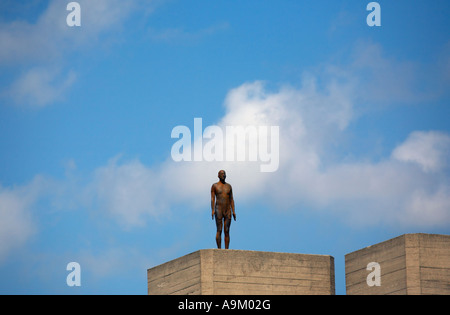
{"type": "Point", "coordinates": [222, 207]}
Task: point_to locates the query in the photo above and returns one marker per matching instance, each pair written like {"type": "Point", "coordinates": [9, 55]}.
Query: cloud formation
{"type": "Point", "coordinates": [128, 192]}
{"type": "Point", "coordinates": [17, 222]}
{"type": "Point", "coordinates": [41, 86]}
{"type": "Point", "coordinates": [430, 150]}
{"type": "Point", "coordinates": [391, 191]}
{"type": "Point", "coordinates": [409, 187]}
{"type": "Point", "coordinates": [43, 49]}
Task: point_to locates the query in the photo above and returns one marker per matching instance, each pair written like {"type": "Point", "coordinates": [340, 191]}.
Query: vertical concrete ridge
{"type": "Point", "coordinates": [207, 271]}
{"type": "Point", "coordinates": [412, 255]}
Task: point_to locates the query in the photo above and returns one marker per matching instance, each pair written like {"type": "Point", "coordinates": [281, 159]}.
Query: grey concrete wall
{"type": "Point", "coordinates": [237, 272]}
{"type": "Point", "coordinates": [180, 276]}
{"type": "Point", "coordinates": [410, 264]}
{"type": "Point", "coordinates": [434, 264]}
{"type": "Point", "coordinates": [392, 259]}
{"type": "Point", "coordinates": [251, 272]}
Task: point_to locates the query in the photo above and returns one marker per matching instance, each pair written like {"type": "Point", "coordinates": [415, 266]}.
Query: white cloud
{"type": "Point", "coordinates": [129, 192]}
{"type": "Point", "coordinates": [430, 150]}
{"type": "Point", "coordinates": [313, 120]}
{"type": "Point", "coordinates": [50, 36]}
{"type": "Point", "coordinates": [17, 223]}
{"type": "Point", "coordinates": [428, 208]}
{"type": "Point", "coordinates": [113, 261]}
{"type": "Point", "coordinates": [41, 86]}
{"type": "Point", "coordinates": [385, 80]}
{"type": "Point", "coordinates": [44, 47]}
{"type": "Point", "coordinates": [363, 193]}
{"type": "Point", "coordinates": [379, 80]}
{"type": "Point", "coordinates": [408, 187]}
{"type": "Point", "coordinates": [401, 189]}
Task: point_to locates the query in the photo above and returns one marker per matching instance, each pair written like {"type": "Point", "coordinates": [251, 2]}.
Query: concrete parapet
{"type": "Point", "coordinates": [239, 272]}
{"type": "Point", "coordinates": [411, 264]}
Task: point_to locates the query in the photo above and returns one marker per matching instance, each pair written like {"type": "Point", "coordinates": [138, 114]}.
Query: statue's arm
{"type": "Point", "coordinates": [232, 203]}
{"type": "Point", "coordinates": [213, 200]}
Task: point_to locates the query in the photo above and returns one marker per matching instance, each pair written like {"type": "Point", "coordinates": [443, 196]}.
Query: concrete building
{"type": "Point", "coordinates": [411, 264]}
{"type": "Point", "coordinates": [238, 272]}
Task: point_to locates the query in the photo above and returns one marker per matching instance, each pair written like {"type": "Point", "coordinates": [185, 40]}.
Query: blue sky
{"type": "Point", "coordinates": [86, 115]}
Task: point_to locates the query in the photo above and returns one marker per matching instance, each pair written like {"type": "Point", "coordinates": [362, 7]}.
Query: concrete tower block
{"type": "Point", "coordinates": [412, 264]}
{"type": "Point", "coordinates": [239, 272]}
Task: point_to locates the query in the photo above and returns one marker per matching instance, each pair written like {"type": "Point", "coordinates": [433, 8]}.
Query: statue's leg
{"type": "Point", "coordinates": [227, 225]}
{"type": "Point", "coordinates": [219, 231]}
{"type": "Point", "coordinates": [219, 240]}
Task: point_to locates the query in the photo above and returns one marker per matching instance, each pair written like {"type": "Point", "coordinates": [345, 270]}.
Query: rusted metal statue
{"type": "Point", "coordinates": [222, 207]}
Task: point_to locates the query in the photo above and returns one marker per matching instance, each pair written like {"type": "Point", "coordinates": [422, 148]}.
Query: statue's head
{"type": "Point", "coordinates": [222, 175]}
